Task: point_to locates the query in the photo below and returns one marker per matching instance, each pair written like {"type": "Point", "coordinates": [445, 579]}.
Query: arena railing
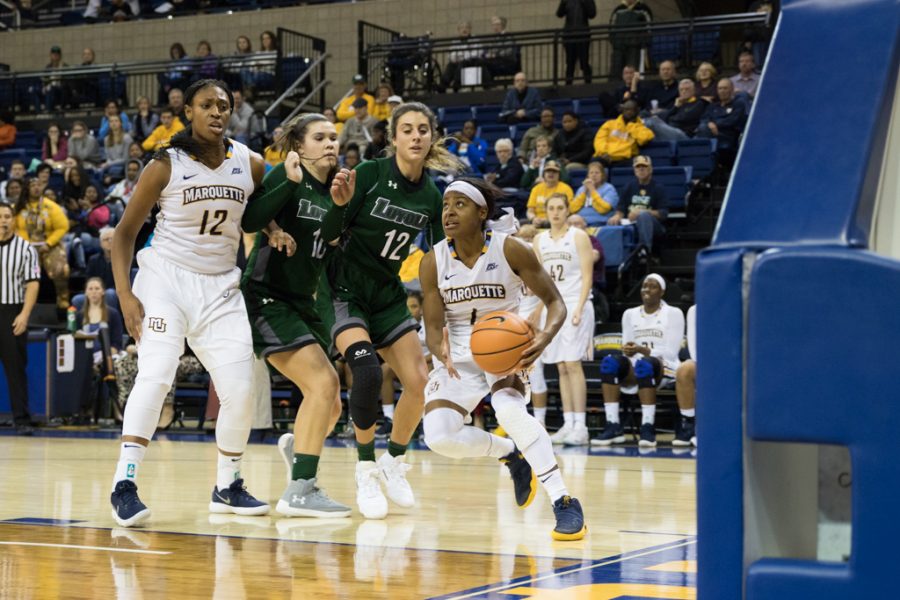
{"type": "Point", "coordinates": [416, 65]}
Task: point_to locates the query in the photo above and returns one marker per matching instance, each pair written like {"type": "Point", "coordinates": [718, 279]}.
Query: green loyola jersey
{"type": "Point", "coordinates": [384, 217]}
{"type": "Point", "coordinates": [271, 270]}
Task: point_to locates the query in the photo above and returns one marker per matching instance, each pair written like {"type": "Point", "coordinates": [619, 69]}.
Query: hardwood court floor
{"type": "Point", "coordinates": [464, 539]}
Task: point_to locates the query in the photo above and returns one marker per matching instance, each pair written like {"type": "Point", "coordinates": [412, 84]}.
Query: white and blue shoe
{"type": "Point", "coordinates": [127, 508]}
{"type": "Point", "coordinates": [237, 500]}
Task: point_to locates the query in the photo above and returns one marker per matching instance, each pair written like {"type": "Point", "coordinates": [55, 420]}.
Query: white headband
{"type": "Point", "coordinates": [658, 279]}
{"type": "Point", "coordinates": [468, 190]}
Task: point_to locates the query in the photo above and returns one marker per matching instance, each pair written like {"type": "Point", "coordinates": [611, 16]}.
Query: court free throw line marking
{"type": "Point", "coordinates": [73, 546]}
{"type": "Point", "coordinates": [567, 571]}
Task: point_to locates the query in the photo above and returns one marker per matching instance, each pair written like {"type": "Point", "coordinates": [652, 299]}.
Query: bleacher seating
{"type": "Point", "coordinates": [667, 46]}
{"type": "Point", "coordinates": [705, 45]}
{"type": "Point", "coordinates": [700, 154]}
{"type": "Point", "coordinates": [662, 154]}
{"type": "Point", "coordinates": [676, 180]}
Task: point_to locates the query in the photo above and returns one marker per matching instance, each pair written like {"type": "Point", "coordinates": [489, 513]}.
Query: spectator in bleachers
{"type": "Point", "coordinates": [352, 156]}
{"type": "Point", "coordinates": [522, 102]}
{"type": "Point", "coordinates": [632, 88]}
{"type": "Point", "coordinates": [644, 202]}
{"type": "Point", "coordinates": [110, 108]}
{"type": "Point", "coordinates": [177, 76]}
{"type": "Point", "coordinates": [358, 130]}
{"type": "Point", "coordinates": [88, 57]}
{"type": "Point", "coordinates": [7, 130]}
{"type": "Point", "coordinates": [576, 35]}
{"type": "Point", "coordinates": [332, 116]}
{"type": "Point", "coordinates": [471, 149]}
{"type": "Point", "coordinates": [98, 215]}
{"type": "Point", "coordinates": [620, 139]}
{"type": "Point", "coordinates": [627, 46]}
{"type": "Point", "coordinates": [43, 223]}
{"type": "Point", "coordinates": [50, 95]}
{"type": "Point", "coordinates": [239, 122]}
{"type": "Point", "coordinates": [574, 143]}
{"type": "Point", "coordinates": [508, 173]}
{"type": "Point", "coordinates": [662, 94]}
{"type": "Point", "coordinates": [501, 56]}
{"type": "Point", "coordinates": [543, 191]}
{"type": "Point", "coordinates": [462, 54]}
{"type": "Point", "coordinates": [534, 170]}
{"type": "Point", "coordinates": [376, 147]}
{"type": "Point", "coordinates": [595, 199]}
{"type": "Point", "coordinates": [95, 10]}
{"type": "Point", "coordinates": [598, 285]}
{"type": "Point", "coordinates": [268, 42]}
{"type": "Point", "coordinates": [346, 110]}
{"type": "Point", "coordinates": [381, 109]}
{"type": "Point", "coordinates": [651, 338]}
{"type": "Point", "coordinates": [206, 64]}
{"type": "Point", "coordinates": [100, 266]}
{"type": "Point", "coordinates": [124, 189]}
{"type": "Point", "coordinates": [42, 172]}
{"type": "Point", "coordinates": [724, 119]}
{"type": "Point", "coordinates": [12, 190]}
{"type": "Point", "coordinates": [96, 308]}
{"type": "Point", "coordinates": [706, 80]}
{"type": "Point", "coordinates": [116, 145]}
{"type": "Point", "coordinates": [176, 102]}
{"type": "Point", "coordinates": [394, 101]}
{"type": "Point", "coordinates": [145, 120]}
{"type": "Point", "coordinates": [682, 121]}
{"type": "Point", "coordinates": [545, 128]}
{"type": "Point", "coordinates": [55, 147]}
{"type": "Point", "coordinates": [747, 79]}
{"type": "Point", "coordinates": [274, 153]}
{"type": "Point", "coordinates": [83, 146]}
{"type": "Point", "coordinates": [16, 172]}
{"type": "Point", "coordinates": [168, 126]}
{"type": "Point", "coordinates": [136, 152]}
{"type": "Point", "coordinates": [686, 387]}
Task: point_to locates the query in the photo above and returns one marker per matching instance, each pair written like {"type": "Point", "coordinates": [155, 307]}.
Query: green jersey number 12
{"type": "Point", "coordinates": [391, 249]}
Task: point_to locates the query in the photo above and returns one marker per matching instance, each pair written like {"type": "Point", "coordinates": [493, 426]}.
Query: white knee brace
{"type": "Point", "coordinates": [509, 406]}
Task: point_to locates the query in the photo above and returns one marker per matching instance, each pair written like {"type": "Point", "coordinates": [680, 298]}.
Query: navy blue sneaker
{"type": "Point", "coordinates": [524, 479]}
{"type": "Point", "coordinates": [613, 433]}
{"type": "Point", "coordinates": [237, 500]}
{"type": "Point", "coordinates": [648, 436]}
{"type": "Point", "coordinates": [569, 520]}
{"type": "Point", "coordinates": [685, 432]}
{"type": "Point", "coordinates": [127, 508]}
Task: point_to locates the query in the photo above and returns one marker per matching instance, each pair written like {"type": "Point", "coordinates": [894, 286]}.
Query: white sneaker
{"type": "Point", "coordinates": [286, 450]}
{"type": "Point", "coordinates": [561, 434]}
{"type": "Point", "coordinates": [393, 474]}
{"type": "Point", "coordinates": [369, 497]}
{"type": "Point", "coordinates": [578, 436]}
{"type": "Point", "coordinates": [694, 441]}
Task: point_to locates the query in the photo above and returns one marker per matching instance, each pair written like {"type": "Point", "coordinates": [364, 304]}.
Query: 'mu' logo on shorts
{"type": "Point", "coordinates": [156, 324]}
{"type": "Point", "coordinates": [395, 214]}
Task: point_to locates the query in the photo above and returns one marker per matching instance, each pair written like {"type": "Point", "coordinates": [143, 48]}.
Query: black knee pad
{"type": "Point", "coordinates": [614, 368]}
{"type": "Point", "coordinates": [648, 372]}
{"type": "Point", "coordinates": [365, 393]}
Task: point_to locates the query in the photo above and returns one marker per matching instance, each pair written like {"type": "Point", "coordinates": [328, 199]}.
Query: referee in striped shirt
{"type": "Point", "coordinates": [20, 274]}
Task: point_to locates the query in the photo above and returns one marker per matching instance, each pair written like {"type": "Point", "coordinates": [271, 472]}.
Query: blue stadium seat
{"type": "Point", "coordinates": [666, 46]}
{"type": "Point", "coordinates": [486, 113]}
{"type": "Point", "coordinates": [576, 178]}
{"type": "Point", "coordinates": [293, 67]}
{"type": "Point", "coordinates": [704, 45]}
{"type": "Point", "coordinates": [700, 154]}
{"type": "Point", "coordinates": [492, 133]}
{"type": "Point", "coordinates": [113, 87]}
{"type": "Point", "coordinates": [589, 108]}
{"type": "Point", "coordinates": [7, 156]}
{"type": "Point", "coordinates": [661, 153]}
{"type": "Point", "coordinates": [617, 241]}
{"type": "Point", "coordinates": [27, 140]}
{"type": "Point", "coordinates": [560, 105]}
{"type": "Point", "coordinates": [676, 180]}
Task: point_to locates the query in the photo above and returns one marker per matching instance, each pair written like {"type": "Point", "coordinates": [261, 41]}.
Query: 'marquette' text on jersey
{"type": "Point", "coordinates": [472, 292]}
{"type": "Point", "coordinates": [213, 192]}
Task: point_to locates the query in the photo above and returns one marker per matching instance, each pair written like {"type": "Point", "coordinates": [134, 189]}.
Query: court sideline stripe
{"type": "Point", "coordinates": [74, 546]}
{"type": "Point", "coordinates": [565, 571]}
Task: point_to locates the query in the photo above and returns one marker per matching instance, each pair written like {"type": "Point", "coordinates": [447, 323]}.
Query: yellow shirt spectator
{"type": "Point", "coordinates": [380, 110]}
{"type": "Point", "coordinates": [163, 133]}
{"type": "Point", "coordinates": [541, 192]}
{"type": "Point", "coordinates": [409, 270]}
{"type": "Point", "coordinates": [621, 140]}
{"type": "Point", "coordinates": [274, 155]}
{"type": "Point", "coordinates": [42, 221]}
{"type": "Point", "coordinates": [345, 110]}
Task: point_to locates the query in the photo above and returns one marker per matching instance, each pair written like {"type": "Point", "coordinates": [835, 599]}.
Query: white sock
{"type": "Point", "coordinates": [568, 419]}
{"type": "Point", "coordinates": [540, 414]}
{"type": "Point", "coordinates": [580, 419]}
{"type": "Point", "coordinates": [130, 457]}
{"type": "Point", "coordinates": [612, 412]}
{"type": "Point", "coordinates": [388, 411]}
{"type": "Point", "coordinates": [648, 413]}
{"type": "Point", "coordinates": [688, 412]}
{"type": "Point", "coordinates": [553, 484]}
{"type": "Point", "coordinates": [229, 470]}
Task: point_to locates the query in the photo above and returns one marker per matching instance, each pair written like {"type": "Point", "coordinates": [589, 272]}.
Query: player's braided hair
{"type": "Point", "coordinates": [184, 140]}
{"type": "Point", "coordinates": [438, 157]}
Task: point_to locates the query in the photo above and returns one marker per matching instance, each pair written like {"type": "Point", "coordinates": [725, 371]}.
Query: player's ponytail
{"type": "Point", "coordinates": [184, 140]}
{"type": "Point", "coordinates": [438, 158]}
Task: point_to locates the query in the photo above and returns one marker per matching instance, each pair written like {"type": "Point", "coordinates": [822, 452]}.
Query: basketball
{"type": "Point", "coordinates": [498, 341]}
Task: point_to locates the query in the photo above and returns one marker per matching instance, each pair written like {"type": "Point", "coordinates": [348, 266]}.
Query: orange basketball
{"type": "Point", "coordinates": [498, 341]}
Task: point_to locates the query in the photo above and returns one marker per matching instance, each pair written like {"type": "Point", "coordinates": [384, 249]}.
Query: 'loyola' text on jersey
{"type": "Point", "coordinates": [395, 214]}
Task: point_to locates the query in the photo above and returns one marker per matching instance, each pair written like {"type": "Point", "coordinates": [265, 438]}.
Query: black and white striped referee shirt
{"type": "Point", "coordinates": [18, 265]}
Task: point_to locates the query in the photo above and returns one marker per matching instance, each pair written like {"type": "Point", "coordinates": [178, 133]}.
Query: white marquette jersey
{"type": "Point", "coordinates": [469, 294]}
{"type": "Point", "coordinates": [561, 261]}
{"type": "Point", "coordinates": [198, 227]}
{"type": "Point", "coordinates": [661, 331]}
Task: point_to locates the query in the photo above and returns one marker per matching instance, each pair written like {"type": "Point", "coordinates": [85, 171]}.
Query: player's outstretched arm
{"type": "Point", "coordinates": [271, 195]}
{"type": "Point", "coordinates": [153, 180]}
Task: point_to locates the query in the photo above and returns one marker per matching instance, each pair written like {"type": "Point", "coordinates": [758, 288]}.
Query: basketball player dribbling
{"type": "Point", "coordinates": [187, 289]}
{"type": "Point", "coordinates": [470, 273]}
